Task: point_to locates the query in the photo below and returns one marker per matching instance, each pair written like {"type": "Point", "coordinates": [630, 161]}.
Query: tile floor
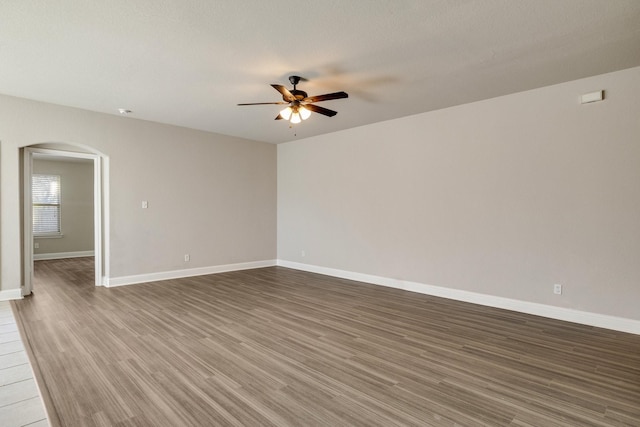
{"type": "Point", "coordinates": [20, 400]}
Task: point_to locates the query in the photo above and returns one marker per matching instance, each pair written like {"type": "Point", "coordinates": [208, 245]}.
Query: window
{"type": "Point", "coordinates": [45, 192]}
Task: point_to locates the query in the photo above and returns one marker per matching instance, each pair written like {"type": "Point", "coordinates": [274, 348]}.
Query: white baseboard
{"type": "Point", "coordinates": [9, 294]}
{"type": "Point", "coordinates": [177, 274]}
{"type": "Point", "coordinates": [586, 318]}
{"type": "Point", "coordinates": [61, 255]}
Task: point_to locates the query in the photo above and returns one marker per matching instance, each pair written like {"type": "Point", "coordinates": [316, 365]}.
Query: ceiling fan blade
{"type": "Point", "coordinates": [326, 97]}
{"type": "Point", "coordinates": [266, 103]}
{"type": "Point", "coordinates": [279, 117]}
{"type": "Point", "coordinates": [320, 110]}
{"type": "Point", "coordinates": [286, 95]}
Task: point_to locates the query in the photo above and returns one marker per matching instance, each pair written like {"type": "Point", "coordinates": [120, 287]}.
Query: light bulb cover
{"type": "Point", "coordinates": [295, 118]}
{"type": "Point", "coordinates": [304, 113]}
{"type": "Point", "coordinates": [286, 113]}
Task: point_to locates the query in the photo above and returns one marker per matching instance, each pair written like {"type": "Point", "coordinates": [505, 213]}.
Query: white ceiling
{"type": "Point", "coordinates": [189, 62]}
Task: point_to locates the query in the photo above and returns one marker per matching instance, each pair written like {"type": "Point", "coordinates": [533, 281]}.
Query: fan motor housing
{"type": "Point", "coordinates": [299, 94]}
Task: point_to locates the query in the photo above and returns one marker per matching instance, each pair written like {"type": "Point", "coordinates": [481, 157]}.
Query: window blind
{"type": "Point", "coordinates": [45, 192]}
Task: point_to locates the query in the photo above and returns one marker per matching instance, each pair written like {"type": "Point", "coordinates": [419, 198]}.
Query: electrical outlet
{"type": "Point", "coordinates": [557, 289]}
{"type": "Point", "coordinates": [145, 204]}
{"type": "Point", "coordinates": [303, 254]}
{"type": "Point", "coordinates": [187, 258]}
{"type": "Point", "coordinates": [36, 245]}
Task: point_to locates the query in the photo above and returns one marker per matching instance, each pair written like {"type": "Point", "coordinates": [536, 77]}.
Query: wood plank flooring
{"type": "Point", "coordinates": [280, 347]}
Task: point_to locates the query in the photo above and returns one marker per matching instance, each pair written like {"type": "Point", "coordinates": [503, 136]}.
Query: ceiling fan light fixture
{"type": "Point", "coordinates": [300, 106]}
{"type": "Point", "coordinates": [286, 113]}
{"type": "Point", "coordinates": [304, 113]}
{"type": "Point", "coordinates": [295, 118]}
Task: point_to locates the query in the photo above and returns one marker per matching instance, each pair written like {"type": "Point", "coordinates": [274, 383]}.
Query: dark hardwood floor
{"type": "Point", "coordinates": [280, 347]}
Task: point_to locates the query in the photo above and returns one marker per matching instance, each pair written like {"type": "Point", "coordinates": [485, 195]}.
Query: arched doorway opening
{"type": "Point", "coordinates": [100, 236]}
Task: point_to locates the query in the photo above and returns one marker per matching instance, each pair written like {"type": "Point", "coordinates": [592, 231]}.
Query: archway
{"type": "Point", "coordinates": [100, 205]}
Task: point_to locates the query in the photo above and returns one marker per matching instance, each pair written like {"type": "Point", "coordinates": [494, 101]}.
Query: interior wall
{"type": "Point", "coordinates": [210, 196]}
{"type": "Point", "coordinates": [76, 205]}
{"type": "Point", "coordinates": [504, 197]}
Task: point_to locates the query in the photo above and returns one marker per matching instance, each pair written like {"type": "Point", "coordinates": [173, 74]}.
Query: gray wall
{"type": "Point", "coordinates": [211, 196]}
{"type": "Point", "coordinates": [504, 197]}
{"type": "Point", "coordinates": [76, 219]}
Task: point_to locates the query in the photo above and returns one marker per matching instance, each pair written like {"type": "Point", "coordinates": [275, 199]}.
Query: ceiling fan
{"type": "Point", "coordinates": [300, 105]}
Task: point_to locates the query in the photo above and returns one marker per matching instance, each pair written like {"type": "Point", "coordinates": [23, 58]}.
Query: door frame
{"type": "Point", "coordinates": [98, 224]}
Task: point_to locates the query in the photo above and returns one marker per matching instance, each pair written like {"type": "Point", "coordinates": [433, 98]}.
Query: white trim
{"type": "Point", "coordinates": [27, 222]}
{"type": "Point", "coordinates": [60, 255]}
{"type": "Point", "coordinates": [9, 294]}
{"type": "Point", "coordinates": [97, 220]}
{"type": "Point", "coordinates": [583, 317]}
{"type": "Point", "coordinates": [105, 221]}
{"type": "Point", "coordinates": [178, 274]}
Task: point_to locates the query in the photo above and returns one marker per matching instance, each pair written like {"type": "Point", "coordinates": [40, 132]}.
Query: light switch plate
{"type": "Point", "coordinates": [592, 97]}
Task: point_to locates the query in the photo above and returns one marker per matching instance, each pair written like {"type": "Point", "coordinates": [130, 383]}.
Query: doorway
{"type": "Point", "coordinates": [98, 225]}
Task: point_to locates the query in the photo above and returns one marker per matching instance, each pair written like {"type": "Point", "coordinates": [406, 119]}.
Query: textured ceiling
{"type": "Point", "coordinates": [189, 62]}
